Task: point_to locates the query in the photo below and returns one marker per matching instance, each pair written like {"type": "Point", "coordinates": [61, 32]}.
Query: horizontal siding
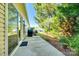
{"type": "Point", "coordinates": [1, 15]}
{"type": "Point", "coordinates": [2, 31]}
{"type": "Point", "coordinates": [1, 25]}
{"type": "Point", "coordinates": [2, 21]}
{"type": "Point", "coordinates": [2, 11]}
{"type": "Point", "coordinates": [2, 42]}
{"type": "Point", "coordinates": [2, 5]}
{"type": "Point", "coordinates": [2, 37]}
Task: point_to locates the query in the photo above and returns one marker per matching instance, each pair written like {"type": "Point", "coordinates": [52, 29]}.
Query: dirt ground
{"type": "Point", "coordinates": [56, 44]}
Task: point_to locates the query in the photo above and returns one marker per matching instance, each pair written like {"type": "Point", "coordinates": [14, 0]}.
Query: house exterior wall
{"type": "Point", "coordinates": [4, 38]}
{"type": "Point", "coordinates": [2, 29]}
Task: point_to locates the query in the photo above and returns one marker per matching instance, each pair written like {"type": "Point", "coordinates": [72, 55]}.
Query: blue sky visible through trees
{"type": "Point", "coordinates": [31, 13]}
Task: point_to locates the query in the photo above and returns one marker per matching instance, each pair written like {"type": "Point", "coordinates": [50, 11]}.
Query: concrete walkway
{"type": "Point", "coordinates": [37, 47]}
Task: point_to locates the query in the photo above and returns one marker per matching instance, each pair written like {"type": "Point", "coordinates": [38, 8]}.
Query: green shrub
{"type": "Point", "coordinates": [72, 42]}
{"type": "Point", "coordinates": [64, 40]}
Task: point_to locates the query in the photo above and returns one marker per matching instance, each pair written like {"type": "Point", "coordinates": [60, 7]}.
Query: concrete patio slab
{"type": "Point", "coordinates": [37, 47]}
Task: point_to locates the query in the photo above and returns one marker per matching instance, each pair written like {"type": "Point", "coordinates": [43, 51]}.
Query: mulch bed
{"type": "Point", "coordinates": [55, 42]}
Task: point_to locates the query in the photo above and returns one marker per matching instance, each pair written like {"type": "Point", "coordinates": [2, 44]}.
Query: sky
{"type": "Point", "coordinates": [31, 13]}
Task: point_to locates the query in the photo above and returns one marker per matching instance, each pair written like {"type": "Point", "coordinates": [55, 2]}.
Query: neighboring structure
{"type": "Point", "coordinates": [6, 39]}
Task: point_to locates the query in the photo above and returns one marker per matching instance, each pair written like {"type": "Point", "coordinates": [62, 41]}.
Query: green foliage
{"type": "Point", "coordinates": [43, 13]}
{"type": "Point", "coordinates": [69, 10]}
{"type": "Point", "coordinates": [72, 42]}
{"type": "Point", "coordinates": [64, 40]}
{"type": "Point", "coordinates": [55, 26]}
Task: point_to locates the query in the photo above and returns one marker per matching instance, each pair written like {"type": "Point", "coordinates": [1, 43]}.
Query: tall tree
{"type": "Point", "coordinates": [58, 17]}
